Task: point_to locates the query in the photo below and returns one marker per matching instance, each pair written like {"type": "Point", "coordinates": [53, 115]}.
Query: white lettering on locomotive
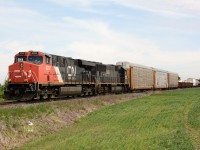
{"type": "Point", "coordinates": [71, 71]}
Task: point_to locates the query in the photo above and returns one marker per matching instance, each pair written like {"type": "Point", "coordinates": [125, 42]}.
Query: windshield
{"type": "Point", "coordinates": [35, 59]}
{"type": "Point", "coordinates": [20, 58]}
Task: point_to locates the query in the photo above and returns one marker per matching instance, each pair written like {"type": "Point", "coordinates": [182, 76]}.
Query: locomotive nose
{"type": "Point", "coordinates": [17, 74]}
{"type": "Point", "coordinates": [23, 72]}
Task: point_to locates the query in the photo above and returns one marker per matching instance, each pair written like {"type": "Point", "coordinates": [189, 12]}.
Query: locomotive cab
{"type": "Point", "coordinates": [25, 67]}
{"type": "Point", "coordinates": [23, 75]}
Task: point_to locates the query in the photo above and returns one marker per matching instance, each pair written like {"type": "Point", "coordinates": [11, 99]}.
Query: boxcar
{"type": "Point", "coordinates": [139, 77]}
{"type": "Point", "coordinates": [185, 84]}
{"type": "Point", "coordinates": [160, 79]}
{"type": "Point", "coordinates": [172, 80]}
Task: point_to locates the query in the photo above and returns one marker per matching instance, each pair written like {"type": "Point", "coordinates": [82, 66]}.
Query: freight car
{"type": "Point", "coordinates": [160, 79]}
{"type": "Point", "coordinates": [139, 77]}
{"type": "Point", "coordinates": [172, 80]}
{"type": "Point", "coordinates": [37, 75]}
{"type": "Point", "coordinates": [185, 84]}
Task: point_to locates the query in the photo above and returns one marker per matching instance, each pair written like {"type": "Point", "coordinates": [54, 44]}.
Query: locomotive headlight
{"type": "Point", "coordinates": [21, 65]}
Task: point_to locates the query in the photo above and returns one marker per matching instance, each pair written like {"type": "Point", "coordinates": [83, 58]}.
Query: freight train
{"type": "Point", "coordinates": [38, 75]}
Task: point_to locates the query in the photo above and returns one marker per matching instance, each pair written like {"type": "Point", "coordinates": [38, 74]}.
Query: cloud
{"type": "Point", "coordinates": [78, 3]}
{"type": "Point", "coordinates": [180, 16]}
{"type": "Point", "coordinates": [165, 7]}
{"type": "Point", "coordinates": [111, 46]}
{"type": "Point", "coordinates": [179, 8]}
{"type": "Point", "coordinates": [16, 10]}
{"type": "Point", "coordinates": [91, 25]}
{"type": "Point", "coordinates": [107, 39]}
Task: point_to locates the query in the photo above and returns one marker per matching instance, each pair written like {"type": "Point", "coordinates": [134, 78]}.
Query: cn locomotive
{"type": "Point", "coordinates": [38, 75]}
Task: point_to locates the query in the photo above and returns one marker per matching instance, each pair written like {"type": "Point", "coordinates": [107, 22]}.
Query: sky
{"type": "Point", "coordinates": [161, 34]}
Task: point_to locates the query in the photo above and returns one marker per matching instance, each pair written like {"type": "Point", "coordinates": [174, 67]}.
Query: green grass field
{"type": "Point", "coordinates": [170, 120]}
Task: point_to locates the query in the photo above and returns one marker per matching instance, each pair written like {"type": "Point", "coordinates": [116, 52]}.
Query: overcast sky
{"type": "Point", "coordinates": [158, 33]}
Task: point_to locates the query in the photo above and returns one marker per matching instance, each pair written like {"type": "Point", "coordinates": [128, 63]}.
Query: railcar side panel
{"type": "Point", "coordinates": [173, 80]}
{"type": "Point", "coordinates": [139, 77]}
{"type": "Point", "coordinates": [160, 79]}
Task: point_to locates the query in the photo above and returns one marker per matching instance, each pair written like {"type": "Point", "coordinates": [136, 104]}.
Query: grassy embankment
{"type": "Point", "coordinates": [170, 120]}
{"type": "Point", "coordinates": [21, 123]}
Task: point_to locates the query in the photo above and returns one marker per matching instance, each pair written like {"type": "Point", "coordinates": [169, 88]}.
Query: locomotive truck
{"type": "Point", "coordinates": [38, 75]}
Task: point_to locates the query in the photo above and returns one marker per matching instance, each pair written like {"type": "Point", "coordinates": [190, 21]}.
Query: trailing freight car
{"type": "Point", "coordinates": [172, 80]}
{"type": "Point", "coordinates": [185, 84]}
{"type": "Point", "coordinates": [160, 79]}
{"type": "Point", "coordinates": [139, 77]}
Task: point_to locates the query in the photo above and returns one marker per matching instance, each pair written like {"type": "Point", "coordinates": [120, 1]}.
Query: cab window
{"type": "Point", "coordinates": [48, 59]}
{"type": "Point", "coordinates": [35, 59]}
{"type": "Point", "coordinates": [20, 58]}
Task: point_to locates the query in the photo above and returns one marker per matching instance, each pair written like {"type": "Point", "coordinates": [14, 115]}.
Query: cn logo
{"type": "Point", "coordinates": [71, 71]}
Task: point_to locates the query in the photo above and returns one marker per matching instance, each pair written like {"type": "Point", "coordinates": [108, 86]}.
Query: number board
{"type": "Point", "coordinates": [21, 53]}
{"type": "Point", "coordinates": [34, 53]}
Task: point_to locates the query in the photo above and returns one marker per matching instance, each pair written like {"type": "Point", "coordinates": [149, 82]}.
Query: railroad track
{"type": "Point", "coordinates": [14, 102]}
{"type": "Point", "coordinates": [18, 104]}
{"type": "Point", "coordinates": [6, 104]}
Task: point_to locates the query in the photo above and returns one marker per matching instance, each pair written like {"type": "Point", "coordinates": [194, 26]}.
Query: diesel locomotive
{"type": "Point", "coordinates": [38, 75]}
